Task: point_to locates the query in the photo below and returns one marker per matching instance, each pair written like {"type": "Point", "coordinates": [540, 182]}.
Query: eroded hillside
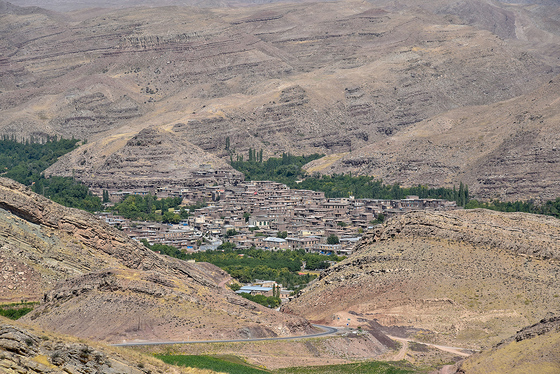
{"type": "Point", "coordinates": [508, 150]}
{"type": "Point", "coordinates": [332, 77]}
{"type": "Point", "coordinates": [469, 277]}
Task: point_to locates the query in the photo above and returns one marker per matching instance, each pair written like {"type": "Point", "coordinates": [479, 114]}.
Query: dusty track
{"type": "Point", "coordinates": [402, 352]}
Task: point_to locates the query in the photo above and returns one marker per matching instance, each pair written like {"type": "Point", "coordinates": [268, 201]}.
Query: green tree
{"type": "Point", "coordinates": [461, 197]}
{"type": "Point", "coordinates": [105, 196]}
{"type": "Point", "coordinates": [380, 219]}
{"type": "Point", "coordinates": [170, 217]}
{"type": "Point", "coordinates": [282, 234]}
{"type": "Point", "coordinates": [333, 239]}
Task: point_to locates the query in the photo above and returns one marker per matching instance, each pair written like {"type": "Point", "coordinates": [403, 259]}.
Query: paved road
{"type": "Point", "coordinates": [327, 330]}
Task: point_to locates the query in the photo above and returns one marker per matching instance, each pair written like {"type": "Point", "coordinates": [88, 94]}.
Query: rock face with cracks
{"type": "Point", "coordinates": [23, 350]}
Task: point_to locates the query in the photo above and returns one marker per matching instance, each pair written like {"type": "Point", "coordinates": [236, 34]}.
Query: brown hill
{"type": "Point", "coordinates": [328, 77]}
{"type": "Point", "coordinates": [153, 157]}
{"type": "Point", "coordinates": [467, 278]}
{"type": "Point", "coordinates": [534, 349]}
{"type": "Point", "coordinates": [100, 284]}
{"type": "Point", "coordinates": [508, 150]}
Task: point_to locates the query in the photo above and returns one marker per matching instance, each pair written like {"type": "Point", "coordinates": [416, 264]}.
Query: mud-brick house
{"type": "Point", "coordinates": [272, 243]}
{"type": "Point", "coordinates": [259, 221]}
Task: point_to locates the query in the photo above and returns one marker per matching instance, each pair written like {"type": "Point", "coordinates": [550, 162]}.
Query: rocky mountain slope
{"type": "Point", "coordinates": [25, 350]}
{"type": "Point", "coordinates": [332, 77]}
{"type": "Point", "coordinates": [534, 349]}
{"type": "Point", "coordinates": [508, 150]}
{"type": "Point", "coordinates": [153, 157]}
{"type": "Point", "coordinates": [466, 278]}
{"type": "Point", "coordinates": [90, 275]}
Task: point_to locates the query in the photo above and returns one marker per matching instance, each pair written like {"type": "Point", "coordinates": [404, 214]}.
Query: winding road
{"type": "Point", "coordinates": [327, 330]}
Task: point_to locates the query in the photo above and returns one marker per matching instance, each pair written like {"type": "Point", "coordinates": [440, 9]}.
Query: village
{"type": "Point", "coordinates": [267, 215]}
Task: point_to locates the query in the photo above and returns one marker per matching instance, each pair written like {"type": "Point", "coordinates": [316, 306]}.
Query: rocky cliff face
{"type": "Point", "coordinates": [471, 277]}
{"type": "Point", "coordinates": [89, 275]}
{"type": "Point", "coordinates": [151, 158]}
{"type": "Point", "coordinates": [507, 150]}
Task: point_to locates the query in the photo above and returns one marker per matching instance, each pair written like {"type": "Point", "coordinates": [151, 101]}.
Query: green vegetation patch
{"type": "Point", "coordinates": [150, 208]}
{"type": "Point", "coordinates": [365, 187]}
{"type": "Point", "coordinates": [374, 367]}
{"type": "Point", "coordinates": [270, 301]}
{"type": "Point", "coordinates": [223, 364]}
{"type": "Point", "coordinates": [247, 265]}
{"type": "Point", "coordinates": [16, 310]}
{"type": "Point", "coordinates": [284, 170]}
{"type": "Point", "coordinates": [24, 163]}
{"type": "Point", "coordinates": [549, 208]}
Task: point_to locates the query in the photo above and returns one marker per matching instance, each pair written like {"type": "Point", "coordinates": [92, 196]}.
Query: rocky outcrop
{"type": "Point", "coordinates": [151, 158]}
{"type": "Point", "coordinates": [22, 351]}
{"type": "Point", "coordinates": [469, 277]}
{"type": "Point", "coordinates": [521, 233]}
{"type": "Point", "coordinates": [544, 326]}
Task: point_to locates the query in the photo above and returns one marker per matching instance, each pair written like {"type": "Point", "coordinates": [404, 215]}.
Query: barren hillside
{"type": "Point", "coordinates": [534, 349]}
{"type": "Point", "coordinates": [508, 150]}
{"type": "Point", "coordinates": [331, 77]}
{"type": "Point", "coordinates": [467, 278]}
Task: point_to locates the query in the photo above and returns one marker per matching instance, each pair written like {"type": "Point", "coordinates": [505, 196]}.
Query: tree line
{"type": "Point", "coordinates": [150, 208]}
{"type": "Point", "coordinates": [288, 170]}
{"type": "Point", "coordinates": [549, 208]}
{"type": "Point", "coordinates": [25, 162]}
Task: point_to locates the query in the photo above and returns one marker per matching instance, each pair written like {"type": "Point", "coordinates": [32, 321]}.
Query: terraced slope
{"type": "Point", "coordinates": [508, 150]}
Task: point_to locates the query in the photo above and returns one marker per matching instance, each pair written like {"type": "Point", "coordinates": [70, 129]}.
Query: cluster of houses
{"type": "Point", "coordinates": [267, 215]}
